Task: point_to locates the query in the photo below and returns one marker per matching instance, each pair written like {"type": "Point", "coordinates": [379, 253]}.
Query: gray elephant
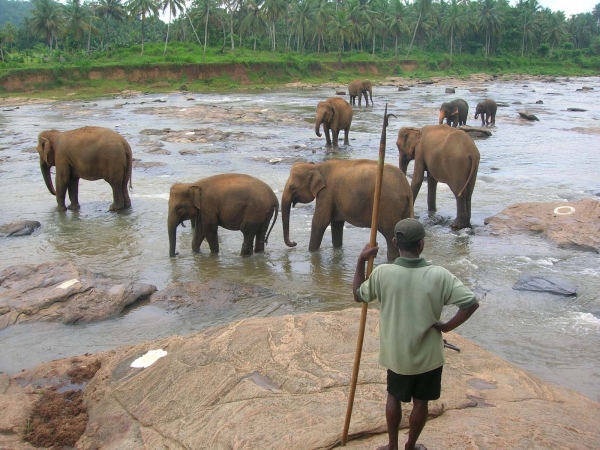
{"type": "Point", "coordinates": [487, 108]}
{"type": "Point", "coordinates": [449, 156]}
{"type": "Point", "coordinates": [233, 201]}
{"type": "Point", "coordinates": [455, 112]}
{"type": "Point", "coordinates": [335, 114]}
{"type": "Point", "coordinates": [358, 89]}
{"type": "Point", "coordinates": [91, 153]}
{"type": "Point", "coordinates": [344, 191]}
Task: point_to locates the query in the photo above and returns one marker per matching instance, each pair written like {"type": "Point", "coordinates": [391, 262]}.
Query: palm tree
{"type": "Point", "coordinates": [555, 29]}
{"type": "Point", "coordinates": [373, 22]}
{"type": "Point", "coordinates": [91, 12]}
{"type": "Point", "coordinates": [110, 9]}
{"type": "Point", "coordinates": [341, 29]}
{"type": "Point", "coordinates": [2, 41]}
{"type": "Point", "coordinates": [398, 24]}
{"type": "Point", "coordinates": [302, 18]}
{"type": "Point", "coordinates": [47, 19]}
{"type": "Point", "coordinates": [142, 8]}
{"type": "Point", "coordinates": [489, 18]}
{"type": "Point", "coordinates": [10, 33]}
{"type": "Point", "coordinates": [424, 7]}
{"type": "Point", "coordinates": [205, 8]}
{"type": "Point", "coordinates": [528, 16]}
{"type": "Point", "coordinates": [322, 18]}
{"type": "Point", "coordinates": [76, 16]}
{"type": "Point", "coordinates": [454, 22]}
{"type": "Point", "coordinates": [174, 7]}
{"type": "Point", "coordinates": [254, 22]}
{"type": "Point", "coordinates": [274, 10]}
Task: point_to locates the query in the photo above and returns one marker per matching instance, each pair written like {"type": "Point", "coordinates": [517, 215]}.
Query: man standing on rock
{"type": "Point", "coordinates": [412, 293]}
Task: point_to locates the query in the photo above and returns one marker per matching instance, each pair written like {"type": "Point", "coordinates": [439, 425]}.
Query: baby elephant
{"type": "Point", "coordinates": [487, 109]}
{"type": "Point", "coordinates": [234, 201]}
{"type": "Point", "coordinates": [335, 114]}
{"type": "Point", "coordinates": [91, 153]}
{"type": "Point", "coordinates": [455, 112]}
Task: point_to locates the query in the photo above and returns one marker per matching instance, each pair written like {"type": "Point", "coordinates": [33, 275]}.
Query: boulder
{"type": "Point", "coordinates": [477, 89]}
{"type": "Point", "coordinates": [450, 91]}
{"type": "Point", "coordinates": [340, 92]}
{"type": "Point", "coordinates": [576, 109]}
{"type": "Point", "coordinates": [60, 292]}
{"type": "Point", "coordinates": [475, 132]}
{"type": "Point", "coordinates": [283, 382]}
{"type": "Point", "coordinates": [528, 116]}
{"type": "Point", "coordinates": [567, 224]}
{"type": "Point", "coordinates": [403, 88]}
{"type": "Point", "coordinates": [586, 89]}
{"type": "Point", "coordinates": [19, 228]}
{"type": "Point", "coordinates": [541, 283]}
{"type": "Point", "coordinates": [504, 104]}
{"type": "Point", "coordinates": [539, 102]}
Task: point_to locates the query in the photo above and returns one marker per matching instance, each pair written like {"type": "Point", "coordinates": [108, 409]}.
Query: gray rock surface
{"type": "Point", "coordinates": [450, 91]}
{"type": "Point", "coordinates": [60, 292]}
{"type": "Point", "coordinates": [542, 283]}
{"type": "Point", "coordinates": [528, 116]}
{"type": "Point", "coordinates": [476, 132]}
{"type": "Point", "coordinates": [19, 228]}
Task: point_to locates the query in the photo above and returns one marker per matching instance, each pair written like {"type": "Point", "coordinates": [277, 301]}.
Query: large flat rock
{"type": "Point", "coordinates": [282, 382]}
{"type": "Point", "coordinates": [60, 292]}
{"type": "Point", "coordinates": [567, 224]}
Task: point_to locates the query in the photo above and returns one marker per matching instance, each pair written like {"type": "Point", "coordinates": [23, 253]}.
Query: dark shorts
{"type": "Point", "coordinates": [424, 386]}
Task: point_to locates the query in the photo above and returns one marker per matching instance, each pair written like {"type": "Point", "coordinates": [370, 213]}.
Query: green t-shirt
{"type": "Point", "coordinates": [412, 293]}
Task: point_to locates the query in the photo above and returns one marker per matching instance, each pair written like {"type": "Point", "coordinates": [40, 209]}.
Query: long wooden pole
{"type": "Point", "coordinates": [372, 243]}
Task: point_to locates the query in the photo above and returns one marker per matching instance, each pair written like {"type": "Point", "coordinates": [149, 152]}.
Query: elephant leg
{"type": "Point", "coordinates": [346, 139]}
{"type": "Point", "coordinates": [73, 190]}
{"type": "Point", "coordinates": [417, 179]}
{"type": "Point", "coordinates": [392, 250]}
{"type": "Point", "coordinates": [126, 199]}
{"type": "Point", "coordinates": [334, 137]}
{"type": "Point", "coordinates": [462, 218]}
{"type": "Point", "coordinates": [247, 244]}
{"type": "Point", "coordinates": [327, 137]}
{"type": "Point", "coordinates": [62, 179]}
{"type": "Point", "coordinates": [259, 245]}
{"type": "Point", "coordinates": [210, 231]}
{"type": "Point", "coordinates": [198, 236]}
{"type": "Point", "coordinates": [493, 119]}
{"type": "Point", "coordinates": [431, 192]}
{"type": "Point", "coordinates": [320, 222]}
{"type": "Point", "coordinates": [118, 200]}
{"type": "Point", "coordinates": [337, 233]}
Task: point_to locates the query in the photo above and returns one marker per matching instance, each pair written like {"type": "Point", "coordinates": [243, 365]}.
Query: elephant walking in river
{"type": "Point", "coordinates": [336, 115]}
{"type": "Point", "coordinates": [344, 190]}
{"type": "Point", "coordinates": [359, 89]}
{"type": "Point", "coordinates": [449, 156]}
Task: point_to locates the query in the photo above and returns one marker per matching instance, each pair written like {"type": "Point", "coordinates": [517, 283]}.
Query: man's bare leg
{"type": "Point", "coordinates": [416, 422]}
{"type": "Point", "coordinates": [393, 416]}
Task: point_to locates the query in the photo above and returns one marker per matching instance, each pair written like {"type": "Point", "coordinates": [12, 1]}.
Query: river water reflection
{"type": "Point", "coordinates": [555, 159]}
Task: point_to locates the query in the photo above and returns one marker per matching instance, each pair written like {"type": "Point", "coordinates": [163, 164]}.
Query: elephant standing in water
{"type": "Point", "coordinates": [487, 109]}
{"type": "Point", "coordinates": [344, 190]}
{"type": "Point", "coordinates": [233, 201]}
{"type": "Point", "coordinates": [359, 88]}
{"type": "Point", "coordinates": [335, 114]}
{"type": "Point", "coordinates": [449, 156]}
{"type": "Point", "coordinates": [91, 153]}
{"type": "Point", "coordinates": [455, 112]}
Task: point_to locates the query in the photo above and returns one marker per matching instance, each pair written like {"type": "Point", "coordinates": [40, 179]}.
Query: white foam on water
{"type": "Point", "coordinates": [586, 320]}
{"type": "Point", "coordinates": [148, 359]}
{"type": "Point", "coordinates": [67, 284]}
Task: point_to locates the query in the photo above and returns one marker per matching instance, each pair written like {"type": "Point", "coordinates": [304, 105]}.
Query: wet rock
{"type": "Point", "coordinates": [475, 132]}
{"type": "Point", "coordinates": [504, 104]}
{"type": "Point", "coordinates": [540, 283]}
{"type": "Point", "coordinates": [517, 103]}
{"type": "Point", "coordinates": [159, 100]}
{"type": "Point", "coordinates": [450, 91]}
{"type": "Point", "coordinates": [340, 92]}
{"type": "Point", "coordinates": [567, 224]}
{"type": "Point", "coordinates": [60, 292]}
{"type": "Point", "coordinates": [158, 150]}
{"type": "Point", "coordinates": [188, 152]}
{"type": "Point", "coordinates": [29, 150]}
{"type": "Point", "coordinates": [586, 89]}
{"type": "Point", "coordinates": [403, 88]}
{"type": "Point", "coordinates": [138, 164]}
{"type": "Point", "coordinates": [477, 89]}
{"type": "Point", "coordinates": [427, 82]}
{"type": "Point", "coordinates": [283, 382]}
{"type": "Point", "coordinates": [156, 132]}
{"type": "Point", "coordinates": [10, 109]}
{"type": "Point", "coordinates": [539, 102]}
{"type": "Point", "coordinates": [528, 116]}
{"type": "Point", "coordinates": [19, 228]}
{"type": "Point", "coordinates": [190, 99]}
{"type": "Point", "coordinates": [576, 109]}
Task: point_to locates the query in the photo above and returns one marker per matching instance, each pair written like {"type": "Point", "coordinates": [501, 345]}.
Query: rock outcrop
{"type": "Point", "coordinates": [282, 382]}
{"type": "Point", "coordinates": [567, 224]}
{"type": "Point", "coordinates": [60, 292]}
{"type": "Point", "coordinates": [19, 228]}
{"type": "Point", "coordinates": [540, 283]}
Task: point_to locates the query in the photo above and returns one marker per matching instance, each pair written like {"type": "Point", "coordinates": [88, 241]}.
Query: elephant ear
{"type": "Point", "coordinates": [315, 181]}
{"type": "Point", "coordinates": [455, 111]}
{"type": "Point", "coordinates": [196, 196]}
{"type": "Point", "coordinates": [413, 137]}
{"type": "Point", "coordinates": [47, 151]}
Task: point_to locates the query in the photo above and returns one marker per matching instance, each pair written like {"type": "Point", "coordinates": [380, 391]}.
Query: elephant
{"type": "Point", "coordinates": [91, 153]}
{"type": "Point", "coordinates": [487, 109]}
{"type": "Point", "coordinates": [233, 201]}
{"type": "Point", "coordinates": [335, 114]}
{"type": "Point", "coordinates": [344, 191]}
{"type": "Point", "coordinates": [455, 112]}
{"type": "Point", "coordinates": [449, 156]}
{"type": "Point", "coordinates": [359, 88]}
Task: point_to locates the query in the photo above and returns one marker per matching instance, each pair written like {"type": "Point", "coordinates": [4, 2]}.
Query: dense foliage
{"type": "Point", "coordinates": [379, 28]}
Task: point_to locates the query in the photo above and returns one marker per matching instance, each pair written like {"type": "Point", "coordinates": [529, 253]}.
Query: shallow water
{"type": "Point", "coordinates": [555, 159]}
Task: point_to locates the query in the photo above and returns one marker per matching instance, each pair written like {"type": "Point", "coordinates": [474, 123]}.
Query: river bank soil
{"type": "Point", "coordinates": [282, 382]}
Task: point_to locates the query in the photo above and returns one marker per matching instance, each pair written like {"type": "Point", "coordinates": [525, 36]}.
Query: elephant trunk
{"type": "Point", "coordinates": [318, 124]}
{"type": "Point", "coordinates": [286, 206]}
{"type": "Point", "coordinates": [442, 116]}
{"type": "Point", "coordinates": [404, 164]}
{"type": "Point", "coordinates": [45, 168]}
{"type": "Point", "coordinates": [172, 224]}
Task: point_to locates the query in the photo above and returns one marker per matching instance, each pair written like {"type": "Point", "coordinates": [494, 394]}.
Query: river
{"type": "Point", "coordinates": [262, 133]}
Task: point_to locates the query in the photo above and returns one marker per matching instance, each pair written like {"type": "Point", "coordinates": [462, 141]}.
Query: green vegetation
{"type": "Point", "coordinates": [307, 40]}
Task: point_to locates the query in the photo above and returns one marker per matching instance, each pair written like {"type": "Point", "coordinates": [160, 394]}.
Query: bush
{"type": "Point", "coordinates": [543, 50]}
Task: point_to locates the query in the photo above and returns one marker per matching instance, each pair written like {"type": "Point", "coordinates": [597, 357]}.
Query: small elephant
{"type": "Point", "coordinates": [91, 153]}
{"type": "Point", "coordinates": [487, 109]}
{"type": "Point", "coordinates": [233, 201]}
{"type": "Point", "coordinates": [344, 191]}
{"type": "Point", "coordinates": [449, 156]}
{"type": "Point", "coordinates": [359, 88]}
{"type": "Point", "coordinates": [335, 114]}
{"type": "Point", "coordinates": [455, 112]}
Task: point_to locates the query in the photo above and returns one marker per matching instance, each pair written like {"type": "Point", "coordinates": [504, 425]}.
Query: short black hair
{"type": "Point", "coordinates": [408, 246]}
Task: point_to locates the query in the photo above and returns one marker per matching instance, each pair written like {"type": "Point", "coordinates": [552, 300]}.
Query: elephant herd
{"type": "Point", "coordinates": [343, 189]}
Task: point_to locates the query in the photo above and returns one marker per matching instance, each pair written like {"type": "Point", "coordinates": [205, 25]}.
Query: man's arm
{"type": "Point", "coordinates": [461, 316]}
{"type": "Point", "coordinates": [359, 273]}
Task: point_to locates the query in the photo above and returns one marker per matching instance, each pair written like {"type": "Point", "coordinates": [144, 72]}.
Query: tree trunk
{"type": "Point", "coordinates": [143, 20]}
{"type": "Point", "coordinates": [231, 33]}
{"type": "Point", "coordinates": [90, 34]}
{"type": "Point", "coordinates": [193, 29]}
{"type": "Point", "coordinates": [167, 39]}
{"type": "Point", "coordinates": [206, 33]}
{"type": "Point", "coordinates": [373, 53]}
{"type": "Point", "coordinates": [414, 34]}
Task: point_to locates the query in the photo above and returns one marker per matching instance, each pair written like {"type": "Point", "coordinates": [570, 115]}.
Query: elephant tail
{"type": "Point", "coordinates": [274, 220]}
{"type": "Point", "coordinates": [130, 169]}
{"type": "Point", "coordinates": [473, 173]}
